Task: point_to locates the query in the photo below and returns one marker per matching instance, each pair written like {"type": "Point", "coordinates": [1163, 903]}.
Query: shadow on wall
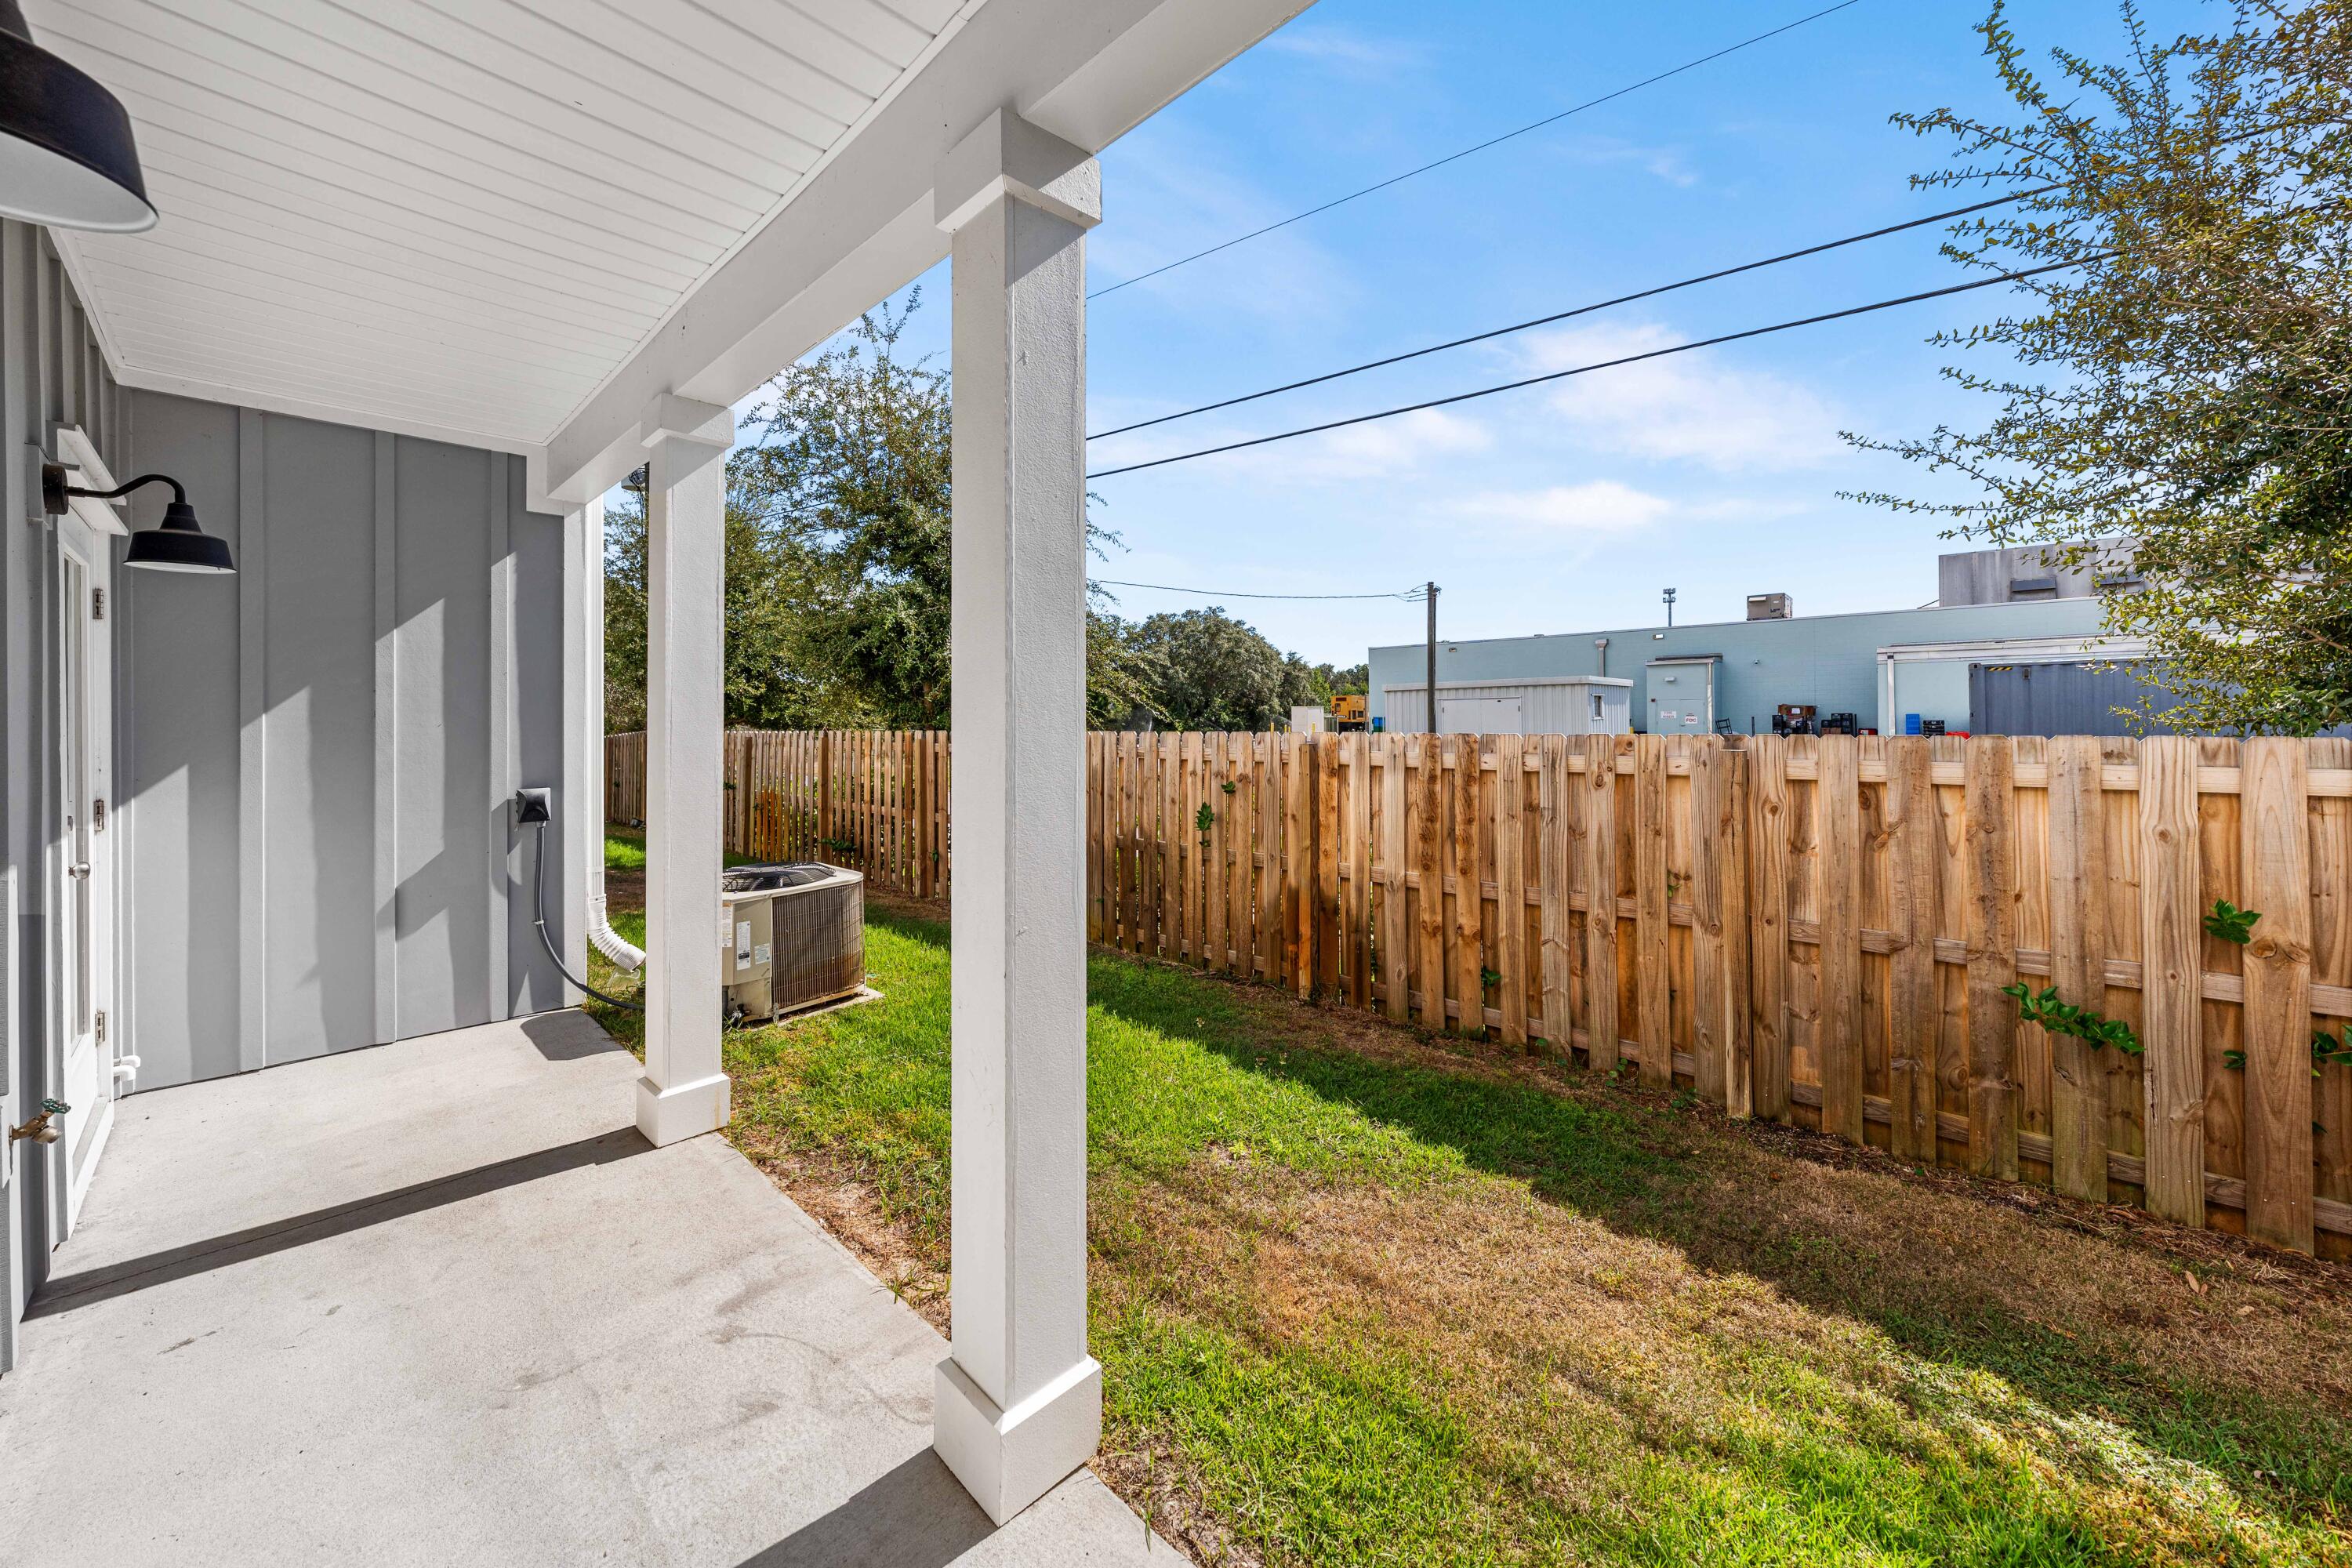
{"type": "Point", "coordinates": [348, 672]}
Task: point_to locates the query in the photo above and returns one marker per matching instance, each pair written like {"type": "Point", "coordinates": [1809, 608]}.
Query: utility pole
{"type": "Point", "coordinates": [1670, 608]}
{"type": "Point", "coordinates": [1429, 726]}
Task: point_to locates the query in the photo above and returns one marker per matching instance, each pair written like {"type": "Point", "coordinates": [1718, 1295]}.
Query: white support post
{"type": "Point", "coordinates": [684, 1092]}
{"type": "Point", "coordinates": [1019, 1401]}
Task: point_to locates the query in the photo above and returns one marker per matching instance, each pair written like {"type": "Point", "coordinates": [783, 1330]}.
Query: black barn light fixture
{"type": "Point", "coordinates": [67, 157]}
{"type": "Point", "coordinates": [177, 545]}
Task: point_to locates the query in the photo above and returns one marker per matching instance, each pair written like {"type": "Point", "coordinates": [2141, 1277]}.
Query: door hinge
{"type": "Point", "coordinates": [101, 1021]}
{"type": "Point", "coordinates": [98, 604]}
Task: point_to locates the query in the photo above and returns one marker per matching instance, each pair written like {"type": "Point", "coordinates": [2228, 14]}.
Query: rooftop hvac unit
{"type": "Point", "coordinates": [1769, 607]}
{"type": "Point", "coordinates": [795, 937]}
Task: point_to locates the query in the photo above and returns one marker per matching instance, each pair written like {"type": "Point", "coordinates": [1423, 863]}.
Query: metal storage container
{"type": "Point", "coordinates": [793, 936]}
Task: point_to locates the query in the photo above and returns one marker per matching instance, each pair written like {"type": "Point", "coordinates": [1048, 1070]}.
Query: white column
{"type": "Point", "coordinates": [683, 1091]}
{"type": "Point", "coordinates": [1019, 1400]}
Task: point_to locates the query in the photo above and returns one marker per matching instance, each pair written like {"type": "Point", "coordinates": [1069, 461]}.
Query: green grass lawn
{"type": "Point", "coordinates": [1366, 1297]}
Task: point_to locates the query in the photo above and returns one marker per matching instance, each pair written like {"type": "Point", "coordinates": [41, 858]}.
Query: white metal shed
{"type": "Point", "coordinates": [1547, 705]}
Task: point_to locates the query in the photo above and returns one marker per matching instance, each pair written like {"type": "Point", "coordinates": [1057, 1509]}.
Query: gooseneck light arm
{"type": "Point", "coordinates": [179, 491]}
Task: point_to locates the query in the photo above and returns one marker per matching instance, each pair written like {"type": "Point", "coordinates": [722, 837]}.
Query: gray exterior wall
{"type": "Point", "coordinates": [54, 375]}
{"type": "Point", "coordinates": [318, 753]}
{"type": "Point", "coordinates": [1831, 661]}
{"type": "Point", "coordinates": [1556, 707]}
{"type": "Point", "coordinates": [2022, 572]}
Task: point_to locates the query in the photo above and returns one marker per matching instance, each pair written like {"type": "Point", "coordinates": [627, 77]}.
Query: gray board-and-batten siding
{"type": "Point", "coordinates": [318, 753]}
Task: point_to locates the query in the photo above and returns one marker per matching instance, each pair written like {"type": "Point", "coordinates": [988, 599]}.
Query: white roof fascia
{"type": "Point", "coordinates": [862, 222]}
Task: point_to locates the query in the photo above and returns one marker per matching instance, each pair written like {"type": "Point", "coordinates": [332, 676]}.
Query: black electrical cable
{"type": "Point", "coordinates": [539, 890]}
{"type": "Point", "coordinates": [1481, 147]}
{"type": "Point", "coordinates": [1579, 311]}
{"type": "Point", "coordinates": [1601, 364]}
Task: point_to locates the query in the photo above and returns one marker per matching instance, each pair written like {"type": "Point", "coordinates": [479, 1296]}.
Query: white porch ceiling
{"type": "Point", "coordinates": [512, 223]}
{"type": "Point", "coordinates": [462, 213]}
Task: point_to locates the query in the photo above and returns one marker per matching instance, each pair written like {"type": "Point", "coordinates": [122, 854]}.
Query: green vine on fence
{"type": "Point", "coordinates": [2231, 923]}
{"type": "Point", "coordinates": [2058, 1017]}
{"type": "Point", "coordinates": [2326, 1050]}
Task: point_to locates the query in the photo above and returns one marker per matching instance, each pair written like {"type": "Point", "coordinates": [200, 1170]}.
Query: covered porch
{"type": "Point", "coordinates": [440, 1302]}
{"type": "Point", "coordinates": [425, 285]}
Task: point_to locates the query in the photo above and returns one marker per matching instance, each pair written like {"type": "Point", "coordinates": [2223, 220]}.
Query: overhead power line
{"type": "Point", "coordinates": [1410, 595]}
{"type": "Point", "coordinates": [1566, 315]}
{"type": "Point", "coordinates": [1467, 152]}
{"type": "Point", "coordinates": [1601, 364]}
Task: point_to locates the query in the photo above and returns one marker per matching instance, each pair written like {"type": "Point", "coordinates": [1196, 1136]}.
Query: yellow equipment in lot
{"type": "Point", "coordinates": [1348, 711]}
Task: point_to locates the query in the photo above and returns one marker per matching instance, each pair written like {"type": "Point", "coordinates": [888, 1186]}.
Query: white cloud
{"type": "Point", "coordinates": [1385, 449]}
{"type": "Point", "coordinates": [1601, 152]}
{"type": "Point", "coordinates": [1581, 513]}
{"type": "Point", "coordinates": [1687, 408]}
{"type": "Point", "coordinates": [1345, 51]}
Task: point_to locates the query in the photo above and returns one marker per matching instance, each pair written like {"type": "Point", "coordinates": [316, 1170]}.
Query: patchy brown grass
{"type": "Point", "coordinates": [1723, 1341]}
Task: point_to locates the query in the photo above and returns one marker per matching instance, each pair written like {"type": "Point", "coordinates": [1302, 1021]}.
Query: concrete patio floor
{"type": "Point", "coordinates": [439, 1302]}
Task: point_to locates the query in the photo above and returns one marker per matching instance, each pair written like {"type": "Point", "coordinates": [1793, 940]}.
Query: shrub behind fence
{"type": "Point", "coordinates": [1811, 930]}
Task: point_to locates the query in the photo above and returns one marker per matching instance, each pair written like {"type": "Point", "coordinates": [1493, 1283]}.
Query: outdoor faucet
{"type": "Point", "coordinates": [40, 1129]}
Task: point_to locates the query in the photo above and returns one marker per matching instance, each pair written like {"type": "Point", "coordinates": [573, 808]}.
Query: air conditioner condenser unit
{"type": "Point", "coordinates": [794, 937]}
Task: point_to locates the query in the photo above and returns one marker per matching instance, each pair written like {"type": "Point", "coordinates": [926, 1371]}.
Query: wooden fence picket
{"type": "Point", "coordinates": [2272, 810]}
{"type": "Point", "coordinates": [1510, 887]}
{"type": "Point", "coordinates": [1991, 959]}
{"type": "Point", "coordinates": [1917, 821]}
{"type": "Point", "coordinates": [1602, 987]}
{"type": "Point", "coordinates": [1652, 976]}
{"type": "Point", "coordinates": [1555, 801]}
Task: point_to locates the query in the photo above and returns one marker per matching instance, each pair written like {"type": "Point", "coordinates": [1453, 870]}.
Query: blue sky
{"type": "Point", "coordinates": [1557, 508]}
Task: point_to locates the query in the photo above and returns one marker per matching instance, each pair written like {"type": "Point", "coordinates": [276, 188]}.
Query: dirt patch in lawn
{"type": "Point", "coordinates": [838, 1196]}
{"type": "Point", "coordinates": [624, 889]}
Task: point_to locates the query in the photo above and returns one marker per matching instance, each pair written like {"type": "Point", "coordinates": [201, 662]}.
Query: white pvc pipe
{"type": "Point", "coordinates": [609, 943]}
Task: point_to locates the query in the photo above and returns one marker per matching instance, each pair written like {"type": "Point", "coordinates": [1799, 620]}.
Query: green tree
{"type": "Point", "coordinates": [838, 554]}
{"type": "Point", "coordinates": [768, 686]}
{"type": "Point", "coordinates": [850, 478]}
{"type": "Point", "coordinates": [2186, 386]}
{"type": "Point", "coordinates": [1355, 678]}
{"type": "Point", "coordinates": [1209, 671]}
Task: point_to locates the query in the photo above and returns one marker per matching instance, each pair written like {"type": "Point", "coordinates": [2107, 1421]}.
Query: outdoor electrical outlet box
{"type": "Point", "coordinates": [534, 806]}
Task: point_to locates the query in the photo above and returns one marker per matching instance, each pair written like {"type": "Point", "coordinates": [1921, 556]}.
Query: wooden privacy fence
{"type": "Point", "coordinates": [873, 799]}
{"type": "Point", "coordinates": [1811, 930]}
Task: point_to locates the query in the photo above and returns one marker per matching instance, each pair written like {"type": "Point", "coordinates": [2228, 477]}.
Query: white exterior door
{"type": "Point", "coordinates": [84, 862]}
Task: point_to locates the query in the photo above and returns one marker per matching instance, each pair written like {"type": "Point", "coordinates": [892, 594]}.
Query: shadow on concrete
{"type": "Point", "coordinates": [567, 1035]}
{"type": "Point", "coordinates": [63, 1293]}
{"type": "Point", "coordinates": [916, 1516]}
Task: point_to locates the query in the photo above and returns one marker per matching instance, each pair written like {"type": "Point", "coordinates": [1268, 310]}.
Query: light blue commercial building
{"type": "Point", "coordinates": [1970, 665]}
